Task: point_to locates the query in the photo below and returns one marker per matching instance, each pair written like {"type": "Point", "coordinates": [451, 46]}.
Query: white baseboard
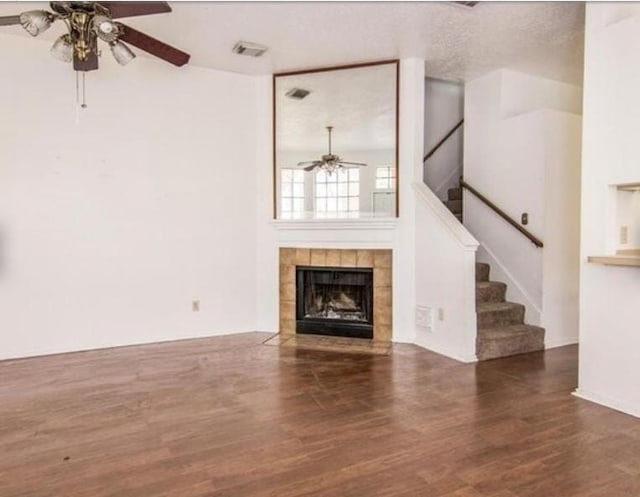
{"type": "Point", "coordinates": [447, 353]}
{"type": "Point", "coordinates": [561, 342]}
{"type": "Point", "coordinates": [89, 347]}
{"type": "Point", "coordinates": [617, 404]}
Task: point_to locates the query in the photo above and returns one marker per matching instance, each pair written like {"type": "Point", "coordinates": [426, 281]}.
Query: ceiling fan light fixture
{"type": "Point", "coordinates": [62, 49]}
{"type": "Point", "coordinates": [329, 162]}
{"type": "Point", "coordinates": [36, 21]}
{"type": "Point", "coordinates": [89, 23]}
{"type": "Point", "coordinates": [121, 52]}
{"type": "Point", "coordinates": [105, 28]}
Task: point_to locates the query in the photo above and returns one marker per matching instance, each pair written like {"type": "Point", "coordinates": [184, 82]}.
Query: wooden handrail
{"type": "Point", "coordinates": [446, 137]}
{"type": "Point", "coordinates": [536, 241]}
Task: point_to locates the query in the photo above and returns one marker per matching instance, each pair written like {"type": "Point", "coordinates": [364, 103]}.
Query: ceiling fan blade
{"type": "Point", "coordinates": [309, 164]}
{"type": "Point", "coordinates": [346, 163]}
{"type": "Point", "coordinates": [130, 9]}
{"type": "Point", "coordinates": [153, 46]}
{"type": "Point", "coordinates": [91, 64]}
{"type": "Point", "coordinates": [9, 20]}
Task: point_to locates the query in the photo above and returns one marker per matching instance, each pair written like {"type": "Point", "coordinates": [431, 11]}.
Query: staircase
{"type": "Point", "coordinates": [502, 331]}
{"type": "Point", "coordinates": [501, 328]}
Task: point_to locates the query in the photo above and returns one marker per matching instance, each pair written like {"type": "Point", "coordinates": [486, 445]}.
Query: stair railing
{"type": "Point", "coordinates": [441, 142]}
{"type": "Point", "coordinates": [532, 238]}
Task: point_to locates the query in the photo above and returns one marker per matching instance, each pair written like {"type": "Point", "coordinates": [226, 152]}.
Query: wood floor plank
{"type": "Point", "coordinates": [230, 416]}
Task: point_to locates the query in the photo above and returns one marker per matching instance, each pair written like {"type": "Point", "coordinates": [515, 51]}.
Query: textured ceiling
{"type": "Point", "coordinates": [359, 103]}
{"type": "Point", "coordinates": [457, 43]}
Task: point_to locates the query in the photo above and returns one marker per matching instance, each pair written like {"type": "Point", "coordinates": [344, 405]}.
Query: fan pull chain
{"type": "Point", "coordinates": [77, 98]}
{"type": "Point", "coordinates": [84, 91]}
{"type": "Point", "coordinates": [82, 104]}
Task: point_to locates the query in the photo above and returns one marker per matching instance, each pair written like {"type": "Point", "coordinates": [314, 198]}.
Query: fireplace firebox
{"type": "Point", "coordinates": [334, 301]}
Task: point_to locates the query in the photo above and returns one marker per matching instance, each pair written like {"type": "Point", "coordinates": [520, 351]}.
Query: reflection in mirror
{"type": "Point", "coordinates": [335, 142]}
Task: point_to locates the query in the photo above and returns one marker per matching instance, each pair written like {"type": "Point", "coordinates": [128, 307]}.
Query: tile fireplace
{"type": "Point", "coordinates": [336, 292]}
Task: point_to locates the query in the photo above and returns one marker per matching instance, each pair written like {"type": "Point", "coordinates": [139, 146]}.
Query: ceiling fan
{"type": "Point", "coordinates": [87, 22]}
{"type": "Point", "coordinates": [330, 162]}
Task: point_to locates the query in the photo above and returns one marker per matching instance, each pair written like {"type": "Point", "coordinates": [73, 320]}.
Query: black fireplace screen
{"type": "Point", "coordinates": [335, 301]}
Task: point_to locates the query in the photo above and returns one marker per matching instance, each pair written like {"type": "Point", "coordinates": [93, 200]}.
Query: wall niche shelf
{"type": "Point", "coordinates": [629, 187]}
{"type": "Point", "coordinates": [619, 259]}
{"type": "Point", "coordinates": [626, 230]}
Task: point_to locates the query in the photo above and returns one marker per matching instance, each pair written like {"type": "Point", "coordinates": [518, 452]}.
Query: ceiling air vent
{"type": "Point", "coordinates": [467, 4]}
{"type": "Point", "coordinates": [250, 49]}
{"type": "Point", "coordinates": [297, 93]}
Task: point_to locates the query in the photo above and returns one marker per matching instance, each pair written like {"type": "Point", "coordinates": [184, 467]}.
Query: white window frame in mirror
{"type": "Point", "coordinates": [393, 62]}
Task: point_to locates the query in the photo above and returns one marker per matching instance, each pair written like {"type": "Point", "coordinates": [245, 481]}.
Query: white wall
{"type": "Point", "coordinates": [609, 296]}
{"type": "Point", "coordinates": [113, 225]}
{"type": "Point", "coordinates": [560, 263]}
{"type": "Point", "coordinates": [522, 151]}
{"type": "Point", "coordinates": [443, 109]}
{"type": "Point", "coordinates": [522, 93]}
{"type": "Point", "coordinates": [445, 283]}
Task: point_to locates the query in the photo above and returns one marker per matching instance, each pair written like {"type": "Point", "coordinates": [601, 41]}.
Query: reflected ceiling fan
{"type": "Point", "coordinates": [87, 22]}
{"type": "Point", "coordinates": [329, 162]}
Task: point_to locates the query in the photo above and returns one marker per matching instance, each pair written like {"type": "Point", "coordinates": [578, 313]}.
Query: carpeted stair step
{"type": "Point", "coordinates": [454, 193]}
{"type": "Point", "coordinates": [497, 314]}
{"type": "Point", "coordinates": [492, 343]}
{"type": "Point", "coordinates": [454, 206]}
{"type": "Point", "coordinates": [490, 291]}
{"type": "Point", "coordinates": [501, 328]}
{"type": "Point", "coordinates": [482, 271]}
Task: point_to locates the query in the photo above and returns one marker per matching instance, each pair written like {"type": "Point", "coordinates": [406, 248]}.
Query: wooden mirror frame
{"type": "Point", "coordinates": [395, 62]}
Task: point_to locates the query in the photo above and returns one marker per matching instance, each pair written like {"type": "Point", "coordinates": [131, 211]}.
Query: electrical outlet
{"type": "Point", "coordinates": [195, 305]}
{"type": "Point", "coordinates": [421, 317]}
{"type": "Point", "coordinates": [440, 314]}
{"type": "Point", "coordinates": [624, 235]}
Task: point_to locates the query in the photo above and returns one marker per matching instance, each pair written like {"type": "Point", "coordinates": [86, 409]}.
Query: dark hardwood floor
{"type": "Point", "coordinates": [232, 417]}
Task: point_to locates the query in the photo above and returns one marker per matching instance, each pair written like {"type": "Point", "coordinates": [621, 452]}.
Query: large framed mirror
{"type": "Point", "coordinates": [335, 142]}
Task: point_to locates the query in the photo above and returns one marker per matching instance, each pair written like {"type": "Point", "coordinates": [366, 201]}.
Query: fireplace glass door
{"type": "Point", "coordinates": [334, 301]}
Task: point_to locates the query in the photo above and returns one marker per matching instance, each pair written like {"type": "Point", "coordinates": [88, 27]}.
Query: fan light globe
{"type": "Point", "coordinates": [36, 21]}
{"type": "Point", "coordinates": [62, 49]}
{"type": "Point", "coordinates": [105, 28]}
{"type": "Point", "coordinates": [122, 53]}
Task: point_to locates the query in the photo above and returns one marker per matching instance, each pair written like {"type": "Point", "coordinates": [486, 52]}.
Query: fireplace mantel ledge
{"type": "Point", "coordinates": [387, 223]}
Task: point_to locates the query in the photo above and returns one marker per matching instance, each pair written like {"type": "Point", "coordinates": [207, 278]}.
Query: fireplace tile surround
{"type": "Point", "coordinates": [380, 260]}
